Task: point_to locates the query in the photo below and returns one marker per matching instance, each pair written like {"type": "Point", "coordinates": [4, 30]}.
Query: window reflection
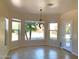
{"type": "Point", "coordinates": [39, 54]}
{"type": "Point", "coordinates": [53, 54]}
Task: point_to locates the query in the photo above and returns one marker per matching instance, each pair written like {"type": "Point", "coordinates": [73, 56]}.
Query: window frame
{"type": "Point", "coordinates": [53, 30]}
{"type": "Point", "coordinates": [19, 35]}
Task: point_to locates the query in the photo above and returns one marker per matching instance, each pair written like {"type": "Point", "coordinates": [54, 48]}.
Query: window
{"type": "Point", "coordinates": [53, 30]}
{"type": "Point", "coordinates": [68, 35]}
{"type": "Point", "coordinates": [15, 30]}
{"type": "Point", "coordinates": [34, 30]}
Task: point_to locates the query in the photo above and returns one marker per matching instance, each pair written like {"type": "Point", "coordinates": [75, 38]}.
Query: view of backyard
{"type": "Point", "coordinates": [33, 30]}
{"type": "Point", "coordinates": [37, 33]}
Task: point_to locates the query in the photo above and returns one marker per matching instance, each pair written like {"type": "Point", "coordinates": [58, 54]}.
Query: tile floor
{"type": "Point", "coordinates": [43, 52]}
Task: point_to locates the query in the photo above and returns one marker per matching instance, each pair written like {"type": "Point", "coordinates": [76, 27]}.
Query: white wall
{"type": "Point", "coordinates": [67, 17]}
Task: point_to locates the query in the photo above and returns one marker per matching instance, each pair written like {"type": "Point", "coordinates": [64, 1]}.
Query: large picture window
{"type": "Point", "coordinates": [15, 29]}
{"type": "Point", "coordinates": [53, 30]}
{"type": "Point", "coordinates": [34, 30]}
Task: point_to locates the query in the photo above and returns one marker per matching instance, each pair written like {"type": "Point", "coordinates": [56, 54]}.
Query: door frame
{"type": "Point", "coordinates": [63, 36]}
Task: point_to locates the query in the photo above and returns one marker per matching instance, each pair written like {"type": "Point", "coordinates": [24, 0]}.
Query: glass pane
{"type": "Point", "coordinates": [67, 28]}
{"type": "Point", "coordinates": [33, 31]}
{"type": "Point", "coordinates": [53, 34]}
{"type": "Point", "coordinates": [53, 26]}
{"type": "Point", "coordinates": [53, 30]}
{"type": "Point", "coordinates": [68, 35]}
{"type": "Point", "coordinates": [39, 33]}
{"type": "Point", "coordinates": [15, 30]}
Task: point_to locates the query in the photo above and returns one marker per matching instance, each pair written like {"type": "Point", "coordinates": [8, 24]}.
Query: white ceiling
{"type": "Point", "coordinates": [33, 6]}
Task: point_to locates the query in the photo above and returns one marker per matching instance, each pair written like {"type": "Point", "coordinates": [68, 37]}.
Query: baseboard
{"type": "Point", "coordinates": [71, 52]}
{"type": "Point", "coordinates": [14, 48]}
{"type": "Point", "coordinates": [76, 54]}
{"type": "Point", "coordinates": [67, 50]}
